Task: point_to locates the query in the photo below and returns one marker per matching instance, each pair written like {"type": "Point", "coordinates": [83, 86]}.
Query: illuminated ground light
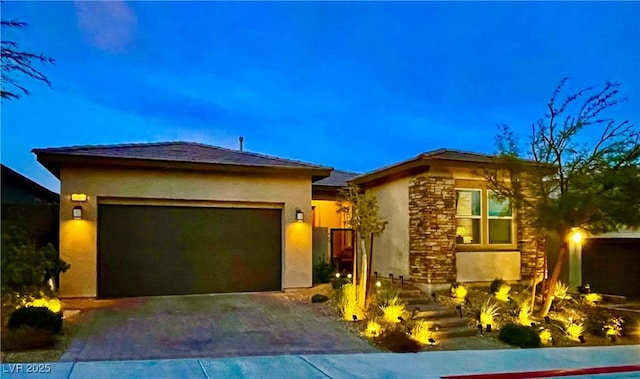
{"type": "Point", "coordinates": [378, 284]}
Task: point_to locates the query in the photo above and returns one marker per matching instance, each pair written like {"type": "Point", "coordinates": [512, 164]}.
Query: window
{"type": "Point", "coordinates": [500, 218]}
{"type": "Point", "coordinates": [483, 220]}
{"type": "Point", "coordinates": [468, 216]}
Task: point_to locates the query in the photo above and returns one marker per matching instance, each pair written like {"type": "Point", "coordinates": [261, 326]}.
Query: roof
{"type": "Point", "coordinates": [338, 178]}
{"type": "Point", "coordinates": [10, 176]}
{"type": "Point", "coordinates": [421, 162]}
{"type": "Point", "coordinates": [165, 154]}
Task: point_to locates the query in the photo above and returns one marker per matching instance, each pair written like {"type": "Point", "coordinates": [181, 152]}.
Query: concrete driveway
{"type": "Point", "coordinates": [207, 326]}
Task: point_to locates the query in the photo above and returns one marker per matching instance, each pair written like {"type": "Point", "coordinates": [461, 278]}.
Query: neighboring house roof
{"type": "Point", "coordinates": [12, 178]}
{"type": "Point", "coordinates": [422, 162]}
{"type": "Point", "coordinates": [167, 154]}
{"type": "Point", "coordinates": [329, 188]}
{"type": "Point", "coordinates": [338, 178]}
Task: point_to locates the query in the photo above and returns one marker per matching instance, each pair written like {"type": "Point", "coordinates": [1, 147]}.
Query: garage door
{"type": "Point", "coordinates": [167, 250]}
{"type": "Point", "coordinates": [612, 265]}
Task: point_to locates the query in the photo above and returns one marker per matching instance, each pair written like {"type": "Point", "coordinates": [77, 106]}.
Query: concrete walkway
{"type": "Point", "coordinates": [378, 365]}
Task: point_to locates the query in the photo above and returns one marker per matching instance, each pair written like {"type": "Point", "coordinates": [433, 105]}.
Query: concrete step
{"type": "Point", "coordinates": [431, 311]}
{"type": "Point", "coordinates": [417, 300]}
{"type": "Point", "coordinates": [403, 293]}
{"type": "Point", "coordinates": [445, 322]}
{"type": "Point", "coordinates": [460, 331]}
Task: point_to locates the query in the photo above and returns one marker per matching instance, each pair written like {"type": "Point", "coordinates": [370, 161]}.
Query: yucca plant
{"type": "Point", "coordinates": [561, 290]}
{"type": "Point", "coordinates": [373, 329]}
{"type": "Point", "coordinates": [421, 332]}
{"type": "Point", "coordinates": [390, 296]}
{"type": "Point", "coordinates": [524, 314]}
{"type": "Point", "coordinates": [458, 292]}
{"type": "Point", "coordinates": [392, 313]}
{"type": "Point", "coordinates": [573, 331]}
{"type": "Point", "coordinates": [348, 302]}
{"type": "Point", "coordinates": [592, 298]}
{"type": "Point", "coordinates": [488, 313]}
{"type": "Point", "coordinates": [503, 292]}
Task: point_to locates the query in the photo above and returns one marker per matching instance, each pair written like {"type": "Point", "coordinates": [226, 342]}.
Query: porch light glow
{"type": "Point", "coordinates": [299, 215]}
{"type": "Point", "coordinates": [576, 237]}
{"type": "Point", "coordinates": [77, 212]}
{"type": "Point", "coordinates": [78, 197]}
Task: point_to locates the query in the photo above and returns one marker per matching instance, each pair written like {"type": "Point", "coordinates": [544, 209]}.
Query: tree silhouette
{"type": "Point", "coordinates": [16, 62]}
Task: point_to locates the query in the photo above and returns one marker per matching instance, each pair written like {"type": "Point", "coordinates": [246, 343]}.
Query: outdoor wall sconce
{"type": "Point", "coordinates": [299, 215]}
{"type": "Point", "coordinates": [78, 197]}
{"type": "Point", "coordinates": [77, 212]}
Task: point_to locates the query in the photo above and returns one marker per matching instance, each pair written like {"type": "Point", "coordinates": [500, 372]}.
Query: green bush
{"type": "Point", "coordinates": [36, 317]}
{"type": "Point", "coordinates": [26, 268]}
{"type": "Point", "coordinates": [318, 298]}
{"type": "Point", "coordinates": [25, 338]}
{"type": "Point", "coordinates": [337, 283]}
{"type": "Point", "coordinates": [397, 341]}
{"type": "Point", "coordinates": [495, 285]}
{"type": "Point", "coordinates": [322, 271]}
{"type": "Point", "coordinates": [519, 335]}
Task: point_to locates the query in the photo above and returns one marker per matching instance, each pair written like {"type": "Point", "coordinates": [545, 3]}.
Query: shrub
{"type": "Point", "coordinates": [573, 331]}
{"type": "Point", "coordinates": [348, 302]}
{"type": "Point", "coordinates": [495, 285]}
{"type": "Point", "coordinates": [519, 335]}
{"type": "Point", "coordinates": [524, 314]}
{"type": "Point", "coordinates": [389, 297]}
{"type": "Point", "coordinates": [458, 291]}
{"type": "Point", "coordinates": [337, 283]}
{"type": "Point", "coordinates": [322, 271]}
{"type": "Point", "coordinates": [392, 313]}
{"type": "Point", "coordinates": [503, 292]}
{"type": "Point", "coordinates": [561, 291]}
{"type": "Point", "coordinates": [488, 313]}
{"type": "Point", "coordinates": [36, 317]}
{"type": "Point", "coordinates": [373, 329]}
{"type": "Point", "coordinates": [25, 338]}
{"type": "Point", "coordinates": [319, 298]}
{"type": "Point", "coordinates": [26, 268]}
{"type": "Point", "coordinates": [397, 341]}
{"type": "Point", "coordinates": [421, 332]}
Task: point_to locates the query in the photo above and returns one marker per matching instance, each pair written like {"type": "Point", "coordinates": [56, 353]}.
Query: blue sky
{"type": "Point", "coordinates": [353, 85]}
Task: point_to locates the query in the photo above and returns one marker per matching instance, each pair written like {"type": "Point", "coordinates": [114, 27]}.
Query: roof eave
{"type": "Point", "coordinates": [53, 162]}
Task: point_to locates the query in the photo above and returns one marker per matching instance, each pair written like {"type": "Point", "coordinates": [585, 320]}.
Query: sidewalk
{"type": "Point", "coordinates": [382, 365]}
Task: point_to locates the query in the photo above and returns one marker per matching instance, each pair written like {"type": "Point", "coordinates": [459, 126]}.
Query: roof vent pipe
{"type": "Point", "coordinates": [241, 139]}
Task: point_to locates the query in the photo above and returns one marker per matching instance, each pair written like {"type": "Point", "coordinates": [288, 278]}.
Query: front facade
{"type": "Point", "coordinates": [445, 225]}
{"type": "Point", "coordinates": [184, 218]}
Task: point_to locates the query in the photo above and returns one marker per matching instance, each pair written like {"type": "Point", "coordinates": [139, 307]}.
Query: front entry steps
{"type": "Point", "coordinates": [444, 321]}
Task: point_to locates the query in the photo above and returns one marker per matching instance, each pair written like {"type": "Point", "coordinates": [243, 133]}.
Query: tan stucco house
{"type": "Point", "coordinates": [444, 225]}
{"type": "Point", "coordinates": [180, 218]}
{"type": "Point", "coordinates": [185, 218]}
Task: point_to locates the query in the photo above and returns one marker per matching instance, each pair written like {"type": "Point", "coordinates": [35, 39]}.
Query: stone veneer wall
{"type": "Point", "coordinates": [531, 241]}
{"type": "Point", "coordinates": [432, 227]}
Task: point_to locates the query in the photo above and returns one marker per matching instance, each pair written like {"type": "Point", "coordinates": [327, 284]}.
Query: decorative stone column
{"type": "Point", "coordinates": [432, 227]}
{"type": "Point", "coordinates": [531, 241]}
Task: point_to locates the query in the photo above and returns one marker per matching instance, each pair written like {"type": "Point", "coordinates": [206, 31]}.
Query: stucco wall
{"type": "Point", "coordinates": [78, 238]}
{"type": "Point", "coordinates": [391, 249]}
{"type": "Point", "coordinates": [485, 266]}
{"type": "Point", "coordinates": [326, 214]}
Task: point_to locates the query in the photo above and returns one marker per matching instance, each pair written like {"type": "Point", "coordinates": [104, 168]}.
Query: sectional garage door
{"type": "Point", "coordinates": [612, 265]}
{"type": "Point", "coordinates": [170, 250]}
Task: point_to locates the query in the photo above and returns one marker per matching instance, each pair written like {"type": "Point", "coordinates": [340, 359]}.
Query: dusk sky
{"type": "Point", "coordinates": [351, 85]}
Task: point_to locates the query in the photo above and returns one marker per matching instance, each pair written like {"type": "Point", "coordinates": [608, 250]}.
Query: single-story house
{"type": "Point", "coordinates": [182, 218]}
